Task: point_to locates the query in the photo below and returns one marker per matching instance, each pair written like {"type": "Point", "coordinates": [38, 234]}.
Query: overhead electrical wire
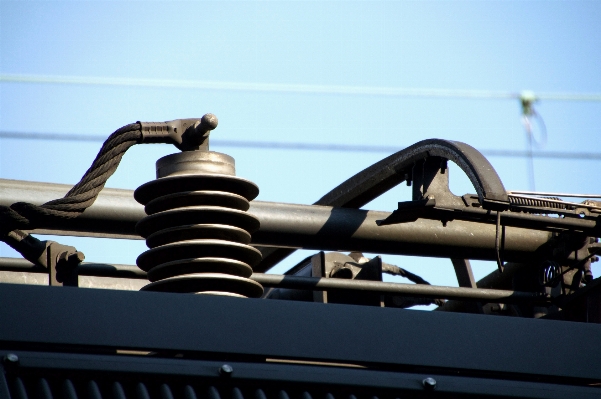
{"type": "Point", "coordinates": [592, 156]}
{"type": "Point", "coordinates": [288, 88]}
{"type": "Point", "coordinates": [527, 98]}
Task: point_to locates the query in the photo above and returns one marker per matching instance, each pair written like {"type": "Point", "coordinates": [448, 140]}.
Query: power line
{"type": "Point", "coordinates": [288, 88]}
{"type": "Point", "coordinates": [278, 145]}
{"type": "Point", "coordinates": [52, 136]}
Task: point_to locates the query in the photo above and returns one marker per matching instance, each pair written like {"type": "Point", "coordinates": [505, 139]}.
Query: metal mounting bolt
{"type": "Point", "coordinates": [209, 121]}
{"type": "Point", "coordinates": [226, 370]}
{"type": "Point", "coordinates": [11, 358]}
{"type": "Point", "coordinates": [429, 383]}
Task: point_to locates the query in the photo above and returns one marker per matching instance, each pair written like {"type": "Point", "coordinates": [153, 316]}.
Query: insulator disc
{"type": "Point", "coordinates": [198, 231]}
{"type": "Point", "coordinates": [214, 182]}
{"type": "Point", "coordinates": [197, 198]}
{"type": "Point", "coordinates": [197, 215]}
{"type": "Point", "coordinates": [199, 265]}
{"type": "Point", "coordinates": [208, 282]}
{"type": "Point", "coordinates": [198, 249]}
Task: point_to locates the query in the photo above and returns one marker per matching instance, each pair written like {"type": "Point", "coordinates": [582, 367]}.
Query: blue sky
{"type": "Point", "coordinates": [505, 46]}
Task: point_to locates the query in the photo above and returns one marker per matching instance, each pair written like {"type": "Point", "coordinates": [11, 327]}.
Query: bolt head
{"type": "Point", "coordinates": [226, 369]}
{"type": "Point", "coordinates": [429, 383]}
{"type": "Point", "coordinates": [209, 121]}
{"type": "Point", "coordinates": [77, 257]}
{"type": "Point", "coordinates": [11, 358]}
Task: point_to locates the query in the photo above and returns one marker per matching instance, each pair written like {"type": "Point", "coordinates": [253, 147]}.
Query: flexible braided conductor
{"type": "Point", "coordinates": [23, 215]}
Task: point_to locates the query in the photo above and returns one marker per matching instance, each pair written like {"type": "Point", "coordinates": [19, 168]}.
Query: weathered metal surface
{"type": "Point", "coordinates": [87, 275]}
{"type": "Point", "coordinates": [343, 229]}
{"type": "Point", "coordinates": [57, 259]}
{"type": "Point", "coordinates": [115, 214]}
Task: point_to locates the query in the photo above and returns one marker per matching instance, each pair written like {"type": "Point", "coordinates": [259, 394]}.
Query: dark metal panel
{"type": "Point", "coordinates": [292, 376]}
{"type": "Point", "coordinates": [297, 330]}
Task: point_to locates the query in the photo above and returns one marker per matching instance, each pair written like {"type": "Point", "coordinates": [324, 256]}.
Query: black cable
{"type": "Point", "coordinates": [406, 302]}
{"type": "Point", "coordinates": [399, 271]}
{"type": "Point", "coordinates": [23, 215]}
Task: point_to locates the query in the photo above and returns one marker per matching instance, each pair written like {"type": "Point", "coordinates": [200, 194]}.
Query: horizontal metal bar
{"type": "Point", "coordinates": [84, 269]}
{"type": "Point", "coordinates": [115, 214]}
{"type": "Point", "coordinates": [308, 283]}
{"type": "Point", "coordinates": [344, 229]}
{"type": "Point", "coordinates": [413, 290]}
{"type": "Point", "coordinates": [494, 280]}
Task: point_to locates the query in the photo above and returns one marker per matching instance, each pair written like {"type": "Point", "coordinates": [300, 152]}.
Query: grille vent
{"type": "Point", "coordinates": [78, 388]}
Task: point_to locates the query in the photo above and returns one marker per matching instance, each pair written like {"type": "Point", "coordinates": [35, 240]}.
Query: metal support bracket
{"type": "Point", "coordinates": [339, 266]}
{"type": "Point", "coordinates": [59, 260]}
{"type": "Point", "coordinates": [186, 134]}
{"type": "Point", "coordinates": [432, 197]}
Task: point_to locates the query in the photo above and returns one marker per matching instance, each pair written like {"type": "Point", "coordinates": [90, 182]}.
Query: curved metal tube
{"type": "Point", "coordinates": [390, 171]}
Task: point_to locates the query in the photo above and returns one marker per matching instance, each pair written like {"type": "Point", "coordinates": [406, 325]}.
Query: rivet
{"type": "Point", "coordinates": [226, 369]}
{"type": "Point", "coordinates": [11, 358]}
{"type": "Point", "coordinates": [429, 383]}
